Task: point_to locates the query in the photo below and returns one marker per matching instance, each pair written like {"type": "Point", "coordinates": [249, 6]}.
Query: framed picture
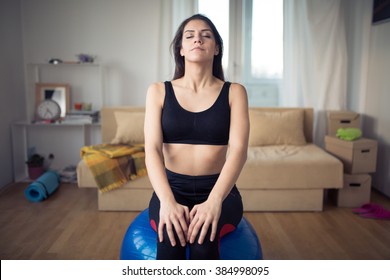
{"type": "Point", "coordinates": [59, 93]}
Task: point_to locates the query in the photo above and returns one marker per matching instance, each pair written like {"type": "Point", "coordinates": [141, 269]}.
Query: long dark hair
{"type": "Point", "coordinates": [177, 44]}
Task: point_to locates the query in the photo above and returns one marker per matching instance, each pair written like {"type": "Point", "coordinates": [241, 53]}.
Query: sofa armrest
{"type": "Point", "coordinates": [84, 176]}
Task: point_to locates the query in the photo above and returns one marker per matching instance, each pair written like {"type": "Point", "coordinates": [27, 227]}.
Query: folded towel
{"type": "Point", "coordinates": [349, 133]}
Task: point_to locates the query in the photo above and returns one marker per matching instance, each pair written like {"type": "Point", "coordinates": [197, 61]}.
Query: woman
{"type": "Point", "coordinates": [190, 123]}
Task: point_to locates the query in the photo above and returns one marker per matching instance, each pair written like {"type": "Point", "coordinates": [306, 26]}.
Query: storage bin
{"type": "Point", "coordinates": [358, 156]}
{"type": "Point", "coordinates": [356, 191]}
{"type": "Point", "coordinates": [341, 119]}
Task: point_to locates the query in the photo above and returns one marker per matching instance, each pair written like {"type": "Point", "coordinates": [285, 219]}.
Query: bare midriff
{"type": "Point", "coordinates": [194, 160]}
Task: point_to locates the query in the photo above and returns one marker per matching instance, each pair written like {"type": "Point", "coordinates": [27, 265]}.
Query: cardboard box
{"type": "Point", "coordinates": [356, 191]}
{"type": "Point", "coordinates": [342, 119]}
{"type": "Point", "coordinates": [358, 156]}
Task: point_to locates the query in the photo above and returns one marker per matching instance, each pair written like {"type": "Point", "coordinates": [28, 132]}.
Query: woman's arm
{"type": "Point", "coordinates": [172, 215]}
{"type": "Point", "coordinates": [208, 213]}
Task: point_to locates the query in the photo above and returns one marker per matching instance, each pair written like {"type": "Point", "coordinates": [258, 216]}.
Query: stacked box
{"type": "Point", "coordinates": [342, 119]}
{"type": "Point", "coordinates": [356, 191]}
{"type": "Point", "coordinates": [358, 157]}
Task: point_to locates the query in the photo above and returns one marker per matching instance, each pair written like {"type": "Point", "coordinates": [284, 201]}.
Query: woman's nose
{"type": "Point", "coordinates": [198, 39]}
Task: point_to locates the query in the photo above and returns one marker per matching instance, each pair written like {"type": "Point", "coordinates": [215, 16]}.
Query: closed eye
{"type": "Point", "coordinates": [205, 36]}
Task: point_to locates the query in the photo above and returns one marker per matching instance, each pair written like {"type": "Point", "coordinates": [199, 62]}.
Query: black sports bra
{"type": "Point", "coordinates": [209, 127]}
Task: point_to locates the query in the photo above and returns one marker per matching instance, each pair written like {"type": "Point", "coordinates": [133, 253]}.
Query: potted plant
{"type": "Point", "coordinates": [35, 166]}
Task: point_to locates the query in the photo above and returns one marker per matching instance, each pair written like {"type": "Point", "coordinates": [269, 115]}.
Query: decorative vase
{"type": "Point", "coordinates": [35, 171]}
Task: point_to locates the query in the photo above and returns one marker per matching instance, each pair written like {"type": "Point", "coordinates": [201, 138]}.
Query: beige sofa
{"type": "Point", "coordinates": [285, 171]}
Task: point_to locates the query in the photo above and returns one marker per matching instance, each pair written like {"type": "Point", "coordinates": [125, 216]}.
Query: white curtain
{"type": "Point", "coordinates": [315, 58]}
{"type": "Point", "coordinates": [358, 26]}
{"type": "Point", "coordinates": [172, 13]}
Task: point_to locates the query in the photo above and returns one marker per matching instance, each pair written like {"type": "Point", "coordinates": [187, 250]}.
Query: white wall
{"type": "Point", "coordinates": [358, 14]}
{"type": "Point", "coordinates": [11, 82]}
{"type": "Point", "coordinates": [123, 34]}
{"type": "Point", "coordinates": [376, 123]}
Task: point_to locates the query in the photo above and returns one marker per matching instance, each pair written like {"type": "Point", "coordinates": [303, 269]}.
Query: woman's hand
{"type": "Point", "coordinates": [202, 216]}
{"type": "Point", "coordinates": [175, 217]}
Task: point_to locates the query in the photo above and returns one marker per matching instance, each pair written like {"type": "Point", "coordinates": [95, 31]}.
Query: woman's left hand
{"type": "Point", "coordinates": [202, 216]}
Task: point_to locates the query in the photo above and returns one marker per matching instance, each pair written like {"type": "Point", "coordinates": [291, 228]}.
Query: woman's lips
{"type": "Point", "coordinates": [197, 48]}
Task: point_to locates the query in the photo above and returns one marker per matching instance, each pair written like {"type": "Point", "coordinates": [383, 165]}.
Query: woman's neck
{"type": "Point", "coordinates": [198, 76]}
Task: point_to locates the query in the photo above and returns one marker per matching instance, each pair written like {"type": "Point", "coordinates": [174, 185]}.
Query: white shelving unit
{"type": "Point", "coordinates": [63, 140]}
{"type": "Point", "coordinates": [85, 80]}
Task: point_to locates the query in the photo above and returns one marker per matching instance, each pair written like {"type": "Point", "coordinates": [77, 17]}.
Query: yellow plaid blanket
{"type": "Point", "coordinates": [114, 165]}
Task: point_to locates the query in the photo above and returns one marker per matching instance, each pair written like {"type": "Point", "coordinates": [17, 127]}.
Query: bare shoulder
{"type": "Point", "coordinates": [156, 88]}
{"type": "Point", "coordinates": [237, 92]}
{"type": "Point", "coordinates": [155, 93]}
{"type": "Point", "coordinates": [236, 87]}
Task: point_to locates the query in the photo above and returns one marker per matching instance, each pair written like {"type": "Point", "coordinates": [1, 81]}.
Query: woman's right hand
{"type": "Point", "coordinates": [175, 217]}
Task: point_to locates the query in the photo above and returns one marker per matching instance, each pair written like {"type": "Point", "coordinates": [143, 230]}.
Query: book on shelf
{"type": "Point", "coordinates": [83, 112]}
{"type": "Point", "coordinates": [78, 120]}
{"type": "Point", "coordinates": [81, 117]}
{"type": "Point", "coordinates": [72, 120]}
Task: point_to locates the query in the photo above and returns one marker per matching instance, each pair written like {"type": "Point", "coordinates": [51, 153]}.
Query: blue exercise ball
{"type": "Point", "coordinates": [139, 242]}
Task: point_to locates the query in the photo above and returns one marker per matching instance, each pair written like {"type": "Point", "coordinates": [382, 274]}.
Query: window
{"type": "Point", "coordinates": [266, 54]}
{"type": "Point", "coordinates": [260, 54]}
{"type": "Point", "coordinates": [263, 51]}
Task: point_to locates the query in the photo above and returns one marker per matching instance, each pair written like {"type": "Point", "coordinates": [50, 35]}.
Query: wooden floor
{"type": "Point", "coordinates": [68, 226]}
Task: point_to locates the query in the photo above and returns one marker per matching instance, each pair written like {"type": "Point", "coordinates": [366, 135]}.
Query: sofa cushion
{"type": "Point", "coordinates": [277, 128]}
{"type": "Point", "coordinates": [130, 128]}
{"type": "Point", "coordinates": [290, 167]}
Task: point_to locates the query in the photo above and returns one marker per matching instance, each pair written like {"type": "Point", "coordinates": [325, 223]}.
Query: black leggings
{"type": "Point", "coordinates": [189, 191]}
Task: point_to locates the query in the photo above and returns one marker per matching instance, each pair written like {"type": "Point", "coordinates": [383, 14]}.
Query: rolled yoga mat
{"type": "Point", "coordinates": [43, 187]}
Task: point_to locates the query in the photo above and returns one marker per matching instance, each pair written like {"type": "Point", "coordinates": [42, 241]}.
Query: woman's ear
{"type": "Point", "coordinates": [216, 50]}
